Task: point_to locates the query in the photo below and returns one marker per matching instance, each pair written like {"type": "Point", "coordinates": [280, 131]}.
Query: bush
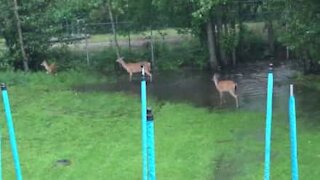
{"type": "Point", "coordinates": [253, 46]}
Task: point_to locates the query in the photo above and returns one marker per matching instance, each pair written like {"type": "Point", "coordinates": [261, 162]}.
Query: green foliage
{"type": "Point", "coordinates": [167, 56]}
{"type": "Point", "coordinates": [66, 59]}
{"type": "Point", "coordinates": [253, 46]}
{"type": "Point", "coordinates": [6, 60]}
{"type": "Point", "coordinates": [229, 41]}
{"type": "Point", "coordinates": [301, 29]}
{"type": "Point", "coordinates": [36, 31]}
{"type": "Point", "coordinates": [187, 54]}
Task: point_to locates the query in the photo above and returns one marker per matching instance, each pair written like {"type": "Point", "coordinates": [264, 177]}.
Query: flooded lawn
{"type": "Point", "coordinates": [197, 87]}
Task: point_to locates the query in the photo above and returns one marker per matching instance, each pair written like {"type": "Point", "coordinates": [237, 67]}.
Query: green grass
{"type": "Point", "coordinates": [168, 33]}
{"type": "Point", "coordinates": [311, 81]}
{"type": "Point", "coordinates": [100, 134]}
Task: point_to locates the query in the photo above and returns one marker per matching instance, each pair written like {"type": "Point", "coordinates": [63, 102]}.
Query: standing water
{"type": "Point", "coordinates": [197, 87]}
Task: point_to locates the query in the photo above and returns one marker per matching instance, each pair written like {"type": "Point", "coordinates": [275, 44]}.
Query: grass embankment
{"type": "Point", "coordinates": [157, 35]}
{"type": "Point", "coordinates": [311, 81]}
{"type": "Point", "coordinates": [100, 134]}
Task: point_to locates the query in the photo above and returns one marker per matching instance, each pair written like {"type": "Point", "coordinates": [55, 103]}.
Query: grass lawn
{"type": "Point", "coordinates": [157, 34]}
{"type": "Point", "coordinates": [99, 133]}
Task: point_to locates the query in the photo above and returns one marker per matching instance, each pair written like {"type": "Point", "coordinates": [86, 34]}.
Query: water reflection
{"type": "Point", "coordinates": [197, 88]}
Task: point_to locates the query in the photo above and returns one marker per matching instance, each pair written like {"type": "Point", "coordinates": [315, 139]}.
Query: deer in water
{"type": "Point", "coordinates": [225, 86]}
{"type": "Point", "coordinates": [51, 68]}
{"type": "Point", "coordinates": [135, 67]}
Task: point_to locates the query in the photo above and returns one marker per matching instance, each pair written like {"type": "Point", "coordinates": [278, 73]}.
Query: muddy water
{"type": "Point", "coordinates": [197, 88]}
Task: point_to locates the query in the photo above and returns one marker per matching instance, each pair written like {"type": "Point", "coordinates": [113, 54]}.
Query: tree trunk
{"type": "Point", "coordinates": [18, 24]}
{"type": "Point", "coordinates": [219, 38]}
{"type": "Point", "coordinates": [152, 48]}
{"type": "Point", "coordinates": [240, 35]}
{"type": "Point", "coordinates": [235, 40]}
{"type": "Point", "coordinates": [211, 46]}
{"type": "Point", "coordinates": [270, 36]}
{"type": "Point", "coordinates": [226, 30]}
{"type": "Point", "coordinates": [113, 28]}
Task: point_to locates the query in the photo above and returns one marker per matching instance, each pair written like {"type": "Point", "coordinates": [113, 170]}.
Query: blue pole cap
{"type": "Point", "coordinates": [3, 86]}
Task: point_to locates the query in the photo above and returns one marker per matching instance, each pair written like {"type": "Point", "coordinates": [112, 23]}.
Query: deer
{"type": "Point", "coordinates": [51, 68]}
{"type": "Point", "coordinates": [135, 67]}
{"type": "Point", "coordinates": [225, 86]}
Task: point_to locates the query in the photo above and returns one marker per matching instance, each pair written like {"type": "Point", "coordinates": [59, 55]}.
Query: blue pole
{"type": "Point", "coordinates": [268, 125]}
{"type": "Point", "coordinates": [293, 136]}
{"type": "Point", "coordinates": [0, 155]}
{"type": "Point", "coordinates": [11, 131]}
{"type": "Point", "coordinates": [151, 154]}
{"type": "Point", "coordinates": [144, 125]}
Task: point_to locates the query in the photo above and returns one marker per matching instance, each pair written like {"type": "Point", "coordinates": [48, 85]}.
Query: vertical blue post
{"type": "Point", "coordinates": [144, 125]}
{"type": "Point", "coordinates": [11, 131]}
{"type": "Point", "coordinates": [293, 136]}
{"type": "Point", "coordinates": [268, 125]}
{"type": "Point", "coordinates": [151, 154]}
{"type": "Point", "coordinates": [0, 155]}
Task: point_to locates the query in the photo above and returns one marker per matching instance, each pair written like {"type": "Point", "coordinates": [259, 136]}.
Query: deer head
{"type": "Point", "coordinates": [120, 60]}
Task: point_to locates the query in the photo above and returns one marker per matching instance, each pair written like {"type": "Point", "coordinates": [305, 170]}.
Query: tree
{"type": "Point", "coordinates": [109, 6]}
{"type": "Point", "coordinates": [26, 35]}
{"type": "Point", "coordinates": [19, 30]}
{"type": "Point", "coordinates": [301, 31]}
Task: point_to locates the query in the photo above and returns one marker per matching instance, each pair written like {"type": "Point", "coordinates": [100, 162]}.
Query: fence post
{"type": "Point", "coordinates": [293, 136]}
{"type": "Point", "coordinates": [151, 151]}
{"type": "Point", "coordinates": [87, 48]}
{"type": "Point", "coordinates": [11, 131]}
{"type": "Point", "coordinates": [152, 47]}
{"type": "Point", "coordinates": [268, 125]}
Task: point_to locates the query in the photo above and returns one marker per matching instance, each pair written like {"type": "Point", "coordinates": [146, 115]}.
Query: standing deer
{"type": "Point", "coordinates": [135, 67]}
{"type": "Point", "coordinates": [225, 86]}
{"type": "Point", "coordinates": [51, 69]}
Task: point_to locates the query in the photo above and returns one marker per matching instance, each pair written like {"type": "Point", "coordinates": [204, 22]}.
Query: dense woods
{"type": "Point", "coordinates": [222, 28]}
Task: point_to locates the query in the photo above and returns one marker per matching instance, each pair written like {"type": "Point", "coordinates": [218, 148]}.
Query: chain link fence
{"type": "Point", "coordinates": [161, 46]}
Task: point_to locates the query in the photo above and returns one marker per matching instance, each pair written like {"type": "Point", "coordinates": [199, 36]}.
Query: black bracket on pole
{"type": "Point", "coordinates": [3, 86]}
{"type": "Point", "coordinates": [149, 114]}
{"type": "Point", "coordinates": [270, 68]}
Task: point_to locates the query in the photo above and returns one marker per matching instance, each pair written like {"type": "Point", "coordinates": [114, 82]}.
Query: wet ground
{"type": "Point", "coordinates": [197, 88]}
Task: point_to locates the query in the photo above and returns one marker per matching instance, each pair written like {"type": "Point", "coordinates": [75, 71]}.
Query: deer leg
{"type": "Point", "coordinates": [235, 97]}
{"type": "Point", "coordinates": [149, 74]}
{"type": "Point", "coordinates": [221, 97]}
{"type": "Point", "coordinates": [130, 77]}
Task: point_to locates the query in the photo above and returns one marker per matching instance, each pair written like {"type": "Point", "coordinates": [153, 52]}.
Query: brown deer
{"type": "Point", "coordinates": [225, 86]}
{"type": "Point", "coordinates": [135, 67]}
{"type": "Point", "coordinates": [51, 69]}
